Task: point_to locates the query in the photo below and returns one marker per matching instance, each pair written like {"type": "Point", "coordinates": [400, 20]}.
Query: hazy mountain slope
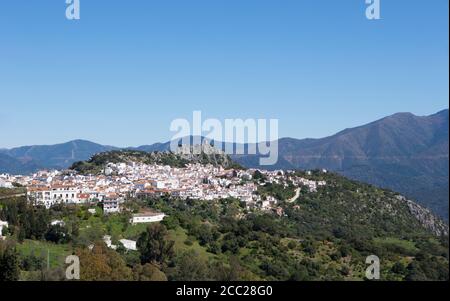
{"type": "Point", "coordinates": [12, 165]}
{"type": "Point", "coordinates": [403, 152]}
{"type": "Point", "coordinates": [157, 147]}
{"type": "Point", "coordinates": [52, 156]}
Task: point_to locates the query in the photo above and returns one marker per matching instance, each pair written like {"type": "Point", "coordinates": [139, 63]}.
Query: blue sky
{"type": "Point", "coordinates": [123, 72]}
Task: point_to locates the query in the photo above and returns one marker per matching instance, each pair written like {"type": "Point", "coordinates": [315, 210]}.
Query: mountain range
{"type": "Point", "coordinates": [402, 152]}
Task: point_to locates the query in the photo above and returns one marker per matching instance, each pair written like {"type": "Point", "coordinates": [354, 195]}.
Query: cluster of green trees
{"type": "Point", "coordinates": [278, 191]}
{"type": "Point", "coordinates": [27, 221]}
{"type": "Point", "coordinates": [9, 262]}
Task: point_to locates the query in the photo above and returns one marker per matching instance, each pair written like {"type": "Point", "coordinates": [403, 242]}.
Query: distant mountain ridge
{"type": "Point", "coordinates": [402, 152]}
{"type": "Point", "coordinates": [12, 165]}
{"type": "Point", "coordinates": [27, 159]}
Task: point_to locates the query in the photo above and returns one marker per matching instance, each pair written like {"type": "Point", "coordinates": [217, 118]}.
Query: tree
{"type": "Point", "coordinates": [234, 271]}
{"type": "Point", "coordinates": [204, 234]}
{"type": "Point", "coordinates": [148, 272]}
{"type": "Point", "coordinates": [300, 274]}
{"type": "Point", "coordinates": [292, 245]}
{"type": "Point", "coordinates": [102, 264]}
{"type": "Point", "coordinates": [230, 243]}
{"type": "Point", "coordinates": [214, 248]}
{"type": "Point", "coordinates": [275, 269]}
{"type": "Point", "coordinates": [9, 263]}
{"type": "Point", "coordinates": [90, 235]}
{"type": "Point", "coordinates": [415, 273]}
{"type": "Point", "coordinates": [190, 267]}
{"type": "Point", "coordinates": [399, 268]}
{"type": "Point", "coordinates": [308, 248]}
{"type": "Point", "coordinates": [154, 245]}
{"type": "Point", "coordinates": [22, 234]}
{"type": "Point", "coordinates": [57, 234]}
{"type": "Point", "coordinates": [259, 176]}
{"type": "Point", "coordinates": [32, 262]}
{"type": "Point", "coordinates": [171, 222]}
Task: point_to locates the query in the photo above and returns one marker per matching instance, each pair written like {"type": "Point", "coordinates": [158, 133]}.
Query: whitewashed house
{"type": "Point", "coordinates": [65, 194]}
{"type": "Point", "coordinates": [147, 217]}
{"type": "Point", "coordinates": [129, 244]}
{"type": "Point", "coordinates": [111, 205]}
{"type": "Point", "coordinates": [49, 196]}
{"type": "Point", "coordinates": [5, 184]}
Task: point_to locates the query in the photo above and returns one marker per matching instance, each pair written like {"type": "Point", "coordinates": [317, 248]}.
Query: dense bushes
{"type": "Point", "coordinates": [9, 262]}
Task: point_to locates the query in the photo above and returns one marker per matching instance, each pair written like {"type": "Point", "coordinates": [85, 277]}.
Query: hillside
{"type": "Point", "coordinates": [402, 152]}
{"type": "Point", "coordinates": [323, 235]}
{"type": "Point", "coordinates": [98, 162]}
{"type": "Point", "coordinates": [12, 165]}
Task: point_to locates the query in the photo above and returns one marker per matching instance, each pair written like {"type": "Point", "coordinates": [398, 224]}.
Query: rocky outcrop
{"type": "Point", "coordinates": [426, 218]}
{"type": "Point", "coordinates": [204, 154]}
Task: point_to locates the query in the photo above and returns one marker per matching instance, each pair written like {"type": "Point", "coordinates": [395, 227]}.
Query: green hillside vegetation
{"type": "Point", "coordinates": [324, 235]}
{"type": "Point", "coordinates": [6, 192]}
{"type": "Point", "coordinates": [277, 191]}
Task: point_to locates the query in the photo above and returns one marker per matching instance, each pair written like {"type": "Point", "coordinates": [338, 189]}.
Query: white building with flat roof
{"type": "Point", "coordinates": [147, 217]}
{"type": "Point", "coordinates": [111, 206]}
{"type": "Point", "coordinates": [129, 244]}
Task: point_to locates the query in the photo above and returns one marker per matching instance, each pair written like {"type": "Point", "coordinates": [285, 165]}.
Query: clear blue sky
{"type": "Point", "coordinates": [123, 72]}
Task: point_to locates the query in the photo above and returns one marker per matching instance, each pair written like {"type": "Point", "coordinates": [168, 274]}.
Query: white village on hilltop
{"type": "Point", "coordinates": [119, 182]}
{"type": "Point", "coordinates": [122, 181]}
